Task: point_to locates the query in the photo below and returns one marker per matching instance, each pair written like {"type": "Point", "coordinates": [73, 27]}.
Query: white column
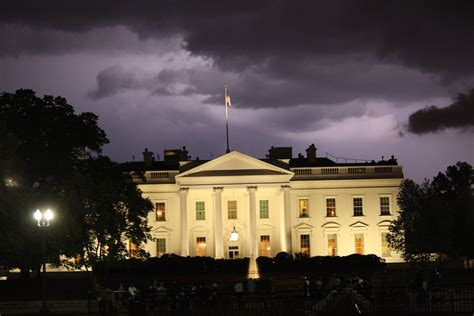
{"type": "Point", "coordinates": [183, 194]}
{"type": "Point", "coordinates": [218, 234]}
{"type": "Point", "coordinates": [253, 222]}
{"type": "Point", "coordinates": [286, 242]}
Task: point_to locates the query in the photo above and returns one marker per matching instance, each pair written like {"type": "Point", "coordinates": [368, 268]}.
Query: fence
{"type": "Point", "coordinates": [306, 302]}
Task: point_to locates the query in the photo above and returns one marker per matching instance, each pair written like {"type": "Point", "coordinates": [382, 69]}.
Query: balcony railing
{"type": "Point", "coordinates": [341, 171]}
{"type": "Point", "coordinates": [153, 176]}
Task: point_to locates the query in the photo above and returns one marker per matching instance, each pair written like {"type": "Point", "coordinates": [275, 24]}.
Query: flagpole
{"type": "Point", "coordinates": [226, 119]}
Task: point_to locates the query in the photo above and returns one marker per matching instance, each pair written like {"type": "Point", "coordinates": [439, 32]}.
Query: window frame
{"type": "Point", "coordinates": [133, 249]}
{"type": "Point", "coordinates": [198, 217]}
{"type": "Point", "coordinates": [229, 217]}
{"type": "Point", "coordinates": [361, 206]}
{"type": "Point", "coordinates": [162, 217]}
{"type": "Point", "coordinates": [306, 213]}
{"type": "Point", "coordinates": [361, 246]}
{"type": "Point", "coordinates": [334, 254]}
{"type": "Point", "coordinates": [386, 251]}
{"type": "Point", "coordinates": [302, 246]}
{"type": "Point", "coordinates": [161, 253]}
{"type": "Point", "coordinates": [389, 212]}
{"type": "Point", "coordinates": [261, 211]}
{"type": "Point", "coordinates": [327, 207]}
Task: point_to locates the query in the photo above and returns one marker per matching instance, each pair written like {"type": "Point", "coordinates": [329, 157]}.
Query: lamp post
{"type": "Point", "coordinates": [43, 219]}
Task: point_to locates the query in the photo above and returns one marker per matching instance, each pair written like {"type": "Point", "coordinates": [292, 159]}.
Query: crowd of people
{"type": "Point", "coordinates": [313, 292]}
{"type": "Point", "coordinates": [174, 295]}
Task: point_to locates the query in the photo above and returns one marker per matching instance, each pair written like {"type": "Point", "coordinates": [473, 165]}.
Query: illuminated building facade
{"type": "Point", "coordinates": [238, 206]}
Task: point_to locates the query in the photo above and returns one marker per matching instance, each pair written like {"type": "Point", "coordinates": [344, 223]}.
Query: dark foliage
{"type": "Point", "coordinates": [171, 264]}
{"type": "Point", "coordinates": [284, 263]}
{"type": "Point", "coordinates": [436, 218]}
{"type": "Point", "coordinates": [50, 158]}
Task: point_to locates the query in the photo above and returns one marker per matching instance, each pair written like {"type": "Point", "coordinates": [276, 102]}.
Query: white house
{"type": "Point", "coordinates": [307, 205]}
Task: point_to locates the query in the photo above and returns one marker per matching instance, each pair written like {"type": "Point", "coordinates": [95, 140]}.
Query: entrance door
{"type": "Point", "coordinates": [265, 245]}
{"type": "Point", "coordinates": [234, 252]}
{"type": "Point", "coordinates": [201, 247]}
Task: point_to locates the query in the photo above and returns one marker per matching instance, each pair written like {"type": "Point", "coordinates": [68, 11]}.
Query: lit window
{"type": "Point", "coordinates": [359, 244]}
{"type": "Point", "coordinates": [200, 211]}
{"type": "Point", "coordinates": [304, 245]}
{"type": "Point", "coordinates": [160, 246]}
{"type": "Point", "coordinates": [201, 247]}
{"type": "Point", "coordinates": [384, 205]}
{"type": "Point", "coordinates": [358, 208]}
{"type": "Point", "coordinates": [265, 246]}
{"type": "Point", "coordinates": [332, 245]}
{"type": "Point", "coordinates": [303, 208]}
{"type": "Point", "coordinates": [386, 250]}
{"type": "Point", "coordinates": [264, 213]}
{"type": "Point", "coordinates": [104, 250]}
{"type": "Point", "coordinates": [134, 250]}
{"type": "Point", "coordinates": [160, 212]}
{"type": "Point", "coordinates": [331, 207]}
{"type": "Point", "coordinates": [232, 209]}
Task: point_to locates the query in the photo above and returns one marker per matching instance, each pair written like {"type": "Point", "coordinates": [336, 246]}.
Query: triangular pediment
{"type": "Point", "coordinates": [304, 226]}
{"type": "Point", "coordinates": [161, 229]}
{"type": "Point", "coordinates": [235, 164]}
{"type": "Point", "coordinates": [359, 226]}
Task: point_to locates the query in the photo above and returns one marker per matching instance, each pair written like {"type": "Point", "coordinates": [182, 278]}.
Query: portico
{"type": "Point", "coordinates": [234, 186]}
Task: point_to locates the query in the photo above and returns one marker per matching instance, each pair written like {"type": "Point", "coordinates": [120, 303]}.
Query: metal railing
{"type": "Point", "coordinates": [305, 302]}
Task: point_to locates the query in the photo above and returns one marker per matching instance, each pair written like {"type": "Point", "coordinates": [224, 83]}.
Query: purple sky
{"type": "Point", "coordinates": [344, 75]}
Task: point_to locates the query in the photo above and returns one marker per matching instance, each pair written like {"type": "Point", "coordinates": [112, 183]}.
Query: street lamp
{"type": "Point", "coordinates": [43, 219]}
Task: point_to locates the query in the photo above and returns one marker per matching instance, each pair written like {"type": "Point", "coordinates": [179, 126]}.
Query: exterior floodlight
{"type": "Point", "coordinates": [48, 215]}
{"type": "Point", "coordinates": [234, 235]}
{"type": "Point", "coordinates": [38, 215]}
{"type": "Point", "coordinates": [43, 218]}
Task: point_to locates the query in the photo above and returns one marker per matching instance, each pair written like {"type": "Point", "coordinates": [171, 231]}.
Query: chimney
{"type": "Point", "coordinates": [311, 153]}
{"type": "Point", "coordinates": [148, 158]}
{"type": "Point", "coordinates": [184, 154]}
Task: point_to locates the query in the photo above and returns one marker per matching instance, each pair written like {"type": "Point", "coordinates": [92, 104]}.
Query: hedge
{"type": "Point", "coordinates": [285, 263]}
{"type": "Point", "coordinates": [174, 265]}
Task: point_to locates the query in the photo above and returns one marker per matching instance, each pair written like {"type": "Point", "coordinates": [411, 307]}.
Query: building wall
{"type": "Point", "coordinates": [345, 225]}
{"type": "Point", "coordinates": [317, 225]}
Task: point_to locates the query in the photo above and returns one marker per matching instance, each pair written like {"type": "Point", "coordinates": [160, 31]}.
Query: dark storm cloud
{"type": "Point", "coordinates": [431, 36]}
{"type": "Point", "coordinates": [19, 39]}
{"type": "Point", "coordinates": [330, 80]}
{"type": "Point", "coordinates": [116, 79]}
{"type": "Point", "coordinates": [460, 114]}
{"type": "Point", "coordinates": [112, 80]}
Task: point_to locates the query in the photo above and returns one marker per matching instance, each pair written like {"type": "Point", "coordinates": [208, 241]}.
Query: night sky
{"type": "Point", "coordinates": [344, 75]}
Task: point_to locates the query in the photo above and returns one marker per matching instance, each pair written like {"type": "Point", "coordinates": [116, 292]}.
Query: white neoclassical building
{"type": "Point", "coordinates": [307, 205]}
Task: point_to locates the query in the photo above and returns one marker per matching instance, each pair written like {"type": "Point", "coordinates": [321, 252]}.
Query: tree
{"type": "Point", "coordinates": [41, 141]}
{"type": "Point", "coordinates": [50, 156]}
{"type": "Point", "coordinates": [111, 209]}
{"type": "Point", "coordinates": [434, 217]}
{"type": "Point", "coordinates": [455, 187]}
